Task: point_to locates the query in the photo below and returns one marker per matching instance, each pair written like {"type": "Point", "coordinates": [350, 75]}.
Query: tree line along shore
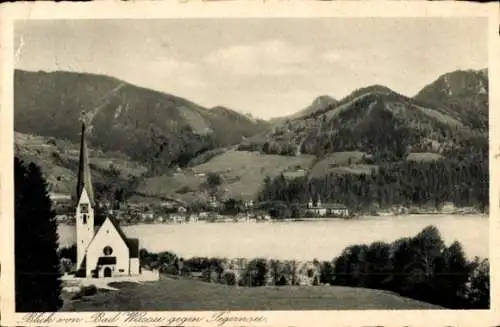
{"type": "Point", "coordinates": [421, 267]}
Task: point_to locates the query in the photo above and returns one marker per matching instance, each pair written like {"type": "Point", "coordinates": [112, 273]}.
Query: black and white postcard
{"type": "Point", "coordinates": [249, 164]}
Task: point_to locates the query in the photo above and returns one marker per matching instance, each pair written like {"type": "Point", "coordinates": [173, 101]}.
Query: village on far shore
{"type": "Point", "coordinates": [217, 211]}
{"type": "Point", "coordinates": [173, 212]}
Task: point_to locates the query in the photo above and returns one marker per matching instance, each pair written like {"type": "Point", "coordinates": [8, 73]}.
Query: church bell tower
{"type": "Point", "coordinates": [85, 204]}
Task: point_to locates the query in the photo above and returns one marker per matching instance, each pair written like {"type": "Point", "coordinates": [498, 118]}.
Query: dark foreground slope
{"type": "Point", "coordinates": [171, 294]}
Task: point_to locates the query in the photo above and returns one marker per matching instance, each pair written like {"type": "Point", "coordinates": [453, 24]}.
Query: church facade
{"type": "Point", "coordinates": [102, 251]}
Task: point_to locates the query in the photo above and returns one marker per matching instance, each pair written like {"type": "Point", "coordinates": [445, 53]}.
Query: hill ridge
{"type": "Point", "coordinates": [154, 127]}
{"type": "Point", "coordinates": [370, 126]}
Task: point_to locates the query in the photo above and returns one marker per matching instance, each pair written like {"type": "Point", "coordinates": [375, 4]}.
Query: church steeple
{"type": "Point", "coordinates": [85, 204]}
{"type": "Point", "coordinates": [84, 178]}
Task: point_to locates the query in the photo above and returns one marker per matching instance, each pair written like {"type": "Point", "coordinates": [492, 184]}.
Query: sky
{"type": "Point", "coordinates": [267, 67]}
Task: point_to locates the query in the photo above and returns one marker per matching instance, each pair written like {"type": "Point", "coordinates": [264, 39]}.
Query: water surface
{"type": "Point", "coordinates": [303, 240]}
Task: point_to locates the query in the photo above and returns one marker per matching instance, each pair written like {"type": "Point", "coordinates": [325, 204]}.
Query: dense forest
{"type": "Point", "coordinates": [461, 177]}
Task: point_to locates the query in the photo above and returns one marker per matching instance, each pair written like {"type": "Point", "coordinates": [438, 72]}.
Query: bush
{"type": "Point", "coordinates": [66, 265]}
{"type": "Point", "coordinates": [68, 252]}
{"type": "Point", "coordinates": [184, 189]}
{"type": "Point", "coordinates": [214, 180]}
{"type": "Point", "coordinates": [156, 260]}
{"type": "Point", "coordinates": [85, 291]}
{"type": "Point", "coordinates": [326, 272]}
{"type": "Point", "coordinates": [197, 264]}
{"type": "Point", "coordinates": [51, 141]}
{"type": "Point", "coordinates": [255, 273]}
{"type": "Point", "coordinates": [212, 274]}
{"type": "Point", "coordinates": [478, 285]}
{"type": "Point", "coordinates": [229, 278]}
{"type": "Point", "coordinates": [89, 290]}
{"type": "Point", "coordinates": [169, 269]}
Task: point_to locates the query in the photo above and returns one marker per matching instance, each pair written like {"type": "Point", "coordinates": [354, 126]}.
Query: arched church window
{"type": "Point", "coordinates": [84, 218]}
{"type": "Point", "coordinates": [108, 250]}
{"type": "Point", "coordinates": [84, 208]}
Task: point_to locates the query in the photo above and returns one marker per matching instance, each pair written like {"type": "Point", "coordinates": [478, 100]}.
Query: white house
{"type": "Point", "coordinates": [317, 209]}
{"type": "Point", "coordinates": [104, 251]}
{"type": "Point", "coordinates": [327, 209]}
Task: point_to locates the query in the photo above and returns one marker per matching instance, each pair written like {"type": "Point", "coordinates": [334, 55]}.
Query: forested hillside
{"type": "Point", "coordinates": [372, 149]}
{"type": "Point", "coordinates": [464, 182]}
{"type": "Point", "coordinates": [423, 151]}
{"type": "Point", "coordinates": [158, 129]}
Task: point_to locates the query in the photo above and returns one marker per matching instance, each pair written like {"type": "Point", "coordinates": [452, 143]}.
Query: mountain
{"type": "Point", "coordinates": [388, 125]}
{"type": "Point", "coordinates": [321, 103]}
{"type": "Point", "coordinates": [157, 129]}
{"type": "Point", "coordinates": [58, 160]}
{"type": "Point", "coordinates": [242, 124]}
{"type": "Point", "coordinates": [136, 133]}
{"type": "Point", "coordinates": [463, 94]}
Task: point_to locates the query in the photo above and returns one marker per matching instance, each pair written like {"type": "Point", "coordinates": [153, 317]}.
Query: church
{"type": "Point", "coordinates": [102, 251]}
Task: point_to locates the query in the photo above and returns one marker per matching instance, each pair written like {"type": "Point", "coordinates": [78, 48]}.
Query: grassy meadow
{"type": "Point", "coordinates": [242, 173]}
{"type": "Point", "coordinates": [187, 294]}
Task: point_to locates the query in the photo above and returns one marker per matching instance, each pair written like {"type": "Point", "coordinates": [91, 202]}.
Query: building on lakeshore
{"type": "Point", "coordinates": [102, 251]}
{"type": "Point", "coordinates": [320, 209]}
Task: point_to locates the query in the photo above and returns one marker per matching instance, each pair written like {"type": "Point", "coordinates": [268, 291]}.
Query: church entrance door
{"type": "Point", "coordinates": [107, 272]}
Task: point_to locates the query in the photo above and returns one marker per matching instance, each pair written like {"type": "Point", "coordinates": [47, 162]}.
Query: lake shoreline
{"type": "Point", "coordinates": [300, 240]}
{"type": "Point", "coordinates": [303, 220]}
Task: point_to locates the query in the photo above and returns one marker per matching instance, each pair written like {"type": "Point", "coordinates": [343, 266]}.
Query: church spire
{"type": "Point", "coordinates": [84, 177]}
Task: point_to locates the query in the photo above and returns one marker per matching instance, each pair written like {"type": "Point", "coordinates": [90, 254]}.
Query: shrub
{"type": "Point", "coordinates": [184, 189]}
{"type": "Point", "coordinates": [255, 273]}
{"type": "Point", "coordinates": [89, 290]}
{"type": "Point", "coordinates": [68, 252]}
{"type": "Point", "coordinates": [197, 264]}
{"type": "Point", "coordinates": [229, 278]}
{"type": "Point", "coordinates": [51, 141]}
{"type": "Point", "coordinates": [478, 285]}
{"type": "Point", "coordinates": [326, 272]}
{"type": "Point", "coordinates": [85, 291]}
{"type": "Point", "coordinates": [66, 265]}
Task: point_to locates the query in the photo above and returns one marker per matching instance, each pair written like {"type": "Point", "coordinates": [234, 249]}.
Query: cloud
{"type": "Point", "coordinates": [343, 55]}
{"type": "Point", "coordinates": [332, 56]}
{"type": "Point", "coordinates": [271, 57]}
{"type": "Point", "coordinates": [184, 73]}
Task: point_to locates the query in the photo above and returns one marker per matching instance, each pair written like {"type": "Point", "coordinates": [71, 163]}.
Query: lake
{"type": "Point", "coordinates": [304, 240]}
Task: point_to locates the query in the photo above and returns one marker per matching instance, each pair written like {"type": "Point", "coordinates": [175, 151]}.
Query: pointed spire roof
{"type": "Point", "coordinates": [84, 176]}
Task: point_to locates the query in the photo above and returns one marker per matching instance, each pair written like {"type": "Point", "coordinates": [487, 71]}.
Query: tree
{"type": "Point", "coordinates": [424, 256]}
{"type": "Point", "coordinates": [37, 267]}
{"type": "Point", "coordinates": [453, 276]}
{"type": "Point", "coordinates": [326, 272]}
{"type": "Point", "coordinates": [256, 272]}
{"type": "Point", "coordinates": [214, 180]}
{"type": "Point", "coordinates": [350, 268]}
{"type": "Point", "coordinates": [379, 265]}
{"type": "Point", "coordinates": [478, 293]}
{"type": "Point", "coordinates": [233, 206]}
